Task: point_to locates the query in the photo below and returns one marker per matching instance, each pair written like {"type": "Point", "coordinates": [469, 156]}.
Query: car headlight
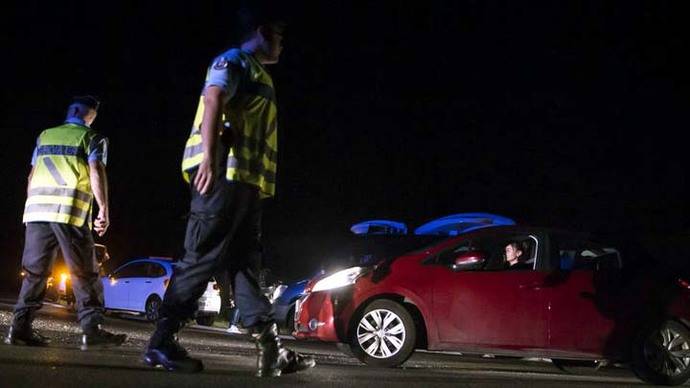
{"type": "Point", "coordinates": [277, 292]}
{"type": "Point", "coordinates": [339, 279]}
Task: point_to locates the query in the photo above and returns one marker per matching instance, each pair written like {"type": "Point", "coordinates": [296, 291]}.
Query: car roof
{"type": "Point", "coordinates": [155, 259]}
{"type": "Point", "coordinates": [528, 229]}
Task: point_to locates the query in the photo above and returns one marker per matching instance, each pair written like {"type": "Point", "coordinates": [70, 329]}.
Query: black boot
{"type": "Point", "coordinates": [26, 337]}
{"type": "Point", "coordinates": [274, 359]}
{"type": "Point", "coordinates": [98, 338]}
{"type": "Point", "coordinates": [164, 350]}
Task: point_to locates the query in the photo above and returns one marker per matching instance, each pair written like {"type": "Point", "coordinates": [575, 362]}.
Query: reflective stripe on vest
{"type": "Point", "coordinates": [252, 112]}
{"type": "Point", "coordinates": [60, 188]}
{"type": "Point", "coordinates": [59, 213]}
{"type": "Point", "coordinates": [193, 153]}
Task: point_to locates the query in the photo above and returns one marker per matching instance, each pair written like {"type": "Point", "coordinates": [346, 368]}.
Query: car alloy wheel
{"type": "Point", "coordinates": [152, 306]}
{"type": "Point", "coordinates": [663, 354]}
{"type": "Point", "coordinates": [384, 334]}
{"type": "Point", "coordinates": [667, 351]}
{"type": "Point", "coordinates": [381, 333]}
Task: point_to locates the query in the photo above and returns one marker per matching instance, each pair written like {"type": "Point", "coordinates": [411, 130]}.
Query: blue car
{"type": "Point", "coordinates": [284, 304]}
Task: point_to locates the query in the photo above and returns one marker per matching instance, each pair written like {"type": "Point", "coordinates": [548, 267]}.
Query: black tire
{"type": "Point", "coordinates": [661, 354]}
{"type": "Point", "coordinates": [289, 325]}
{"type": "Point", "coordinates": [205, 320]}
{"type": "Point", "coordinates": [381, 345]}
{"type": "Point", "coordinates": [52, 295]}
{"type": "Point", "coordinates": [153, 303]}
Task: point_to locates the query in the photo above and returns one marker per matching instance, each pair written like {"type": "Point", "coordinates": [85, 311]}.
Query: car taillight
{"type": "Point", "coordinates": [165, 282]}
{"type": "Point", "coordinates": [683, 283]}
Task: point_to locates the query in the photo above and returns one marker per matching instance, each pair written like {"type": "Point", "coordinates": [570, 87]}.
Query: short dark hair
{"type": "Point", "coordinates": [88, 101]}
{"type": "Point", "coordinates": [260, 13]}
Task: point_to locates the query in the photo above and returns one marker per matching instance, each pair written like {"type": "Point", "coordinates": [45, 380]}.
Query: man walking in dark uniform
{"type": "Point", "coordinates": [230, 162]}
{"type": "Point", "coordinates": [68, 172]}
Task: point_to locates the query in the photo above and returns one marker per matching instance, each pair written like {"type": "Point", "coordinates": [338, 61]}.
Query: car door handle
{"type": "Point", "coordinates": [148, 281]}
{"type": "Point", "coordinates": [126, 281]}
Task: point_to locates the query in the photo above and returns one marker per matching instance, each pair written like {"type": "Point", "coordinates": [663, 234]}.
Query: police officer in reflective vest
{"type": "Point", "coordinates": [230, 162]}
{"type": "Point", "coordinates": [68, 172]}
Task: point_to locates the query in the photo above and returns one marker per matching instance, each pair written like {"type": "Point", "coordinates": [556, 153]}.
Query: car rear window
{"type": "Point", "coordinates": [155, 270]}
{"type": "Point", "coordinates": [578, 254]}
{"type": "Point", "coordinates": [135, 270]}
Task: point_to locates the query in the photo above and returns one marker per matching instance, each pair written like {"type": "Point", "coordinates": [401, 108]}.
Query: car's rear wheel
{"type": "Point", "coordinates": [384, 334]}
{"type": "Point", "coordinates": [52, 295]}
{"type": "Point", "coordinates": [153, 303]}
{"type": "Point", "coordinates": [661, 355]}
{"type": "Point", "coordinates": [205, 320]}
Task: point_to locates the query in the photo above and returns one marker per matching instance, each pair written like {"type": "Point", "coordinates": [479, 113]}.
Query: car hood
{"type": "Point", "coordinates": [370, 249]}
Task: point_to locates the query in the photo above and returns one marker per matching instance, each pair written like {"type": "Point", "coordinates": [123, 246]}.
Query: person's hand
{"type": "Point", "coordinates": [100, 225]}
{"type": "Point", "coordinates": [203, 181]}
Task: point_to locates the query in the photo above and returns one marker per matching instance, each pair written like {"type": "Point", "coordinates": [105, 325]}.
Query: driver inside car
{"type": "Point", "coordinates": [514, 256]}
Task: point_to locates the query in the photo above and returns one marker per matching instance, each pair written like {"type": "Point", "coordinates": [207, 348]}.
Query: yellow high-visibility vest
{"type": "Point", "coordinates": [60, 188]}
{"type": "Point", "coordinates": [252, 114]}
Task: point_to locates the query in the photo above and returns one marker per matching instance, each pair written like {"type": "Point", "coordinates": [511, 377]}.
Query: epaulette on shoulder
{"type": "Point", "coordinates": [236, 57]}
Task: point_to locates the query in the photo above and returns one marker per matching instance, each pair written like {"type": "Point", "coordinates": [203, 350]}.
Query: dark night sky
{"type": "Point", "coordinates": [565, 114]}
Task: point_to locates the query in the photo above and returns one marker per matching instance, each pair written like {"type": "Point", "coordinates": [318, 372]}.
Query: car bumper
{"type": "Point", "coordinates": [209, 305]}
{"type": "Point", "coordinates": [280, 313]}
{"type": "Point", "coordinates": [314, 317]}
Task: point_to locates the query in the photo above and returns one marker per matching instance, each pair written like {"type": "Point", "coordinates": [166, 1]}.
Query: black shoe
{"type": "Point", "coordinates": [292, 361]}
{"type": "Point", "coordinates": [27, 337]}
{"type": "Point", "coordinates": [164, 351]}
{"type": "Point", "coordinates": [161, 358]}
{"type": "Point", "coordinates": [274, 359]}
{"type": "Point", "coordinates": [100, 338]}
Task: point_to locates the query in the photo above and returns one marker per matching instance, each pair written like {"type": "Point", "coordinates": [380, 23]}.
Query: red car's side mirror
{"type": "Point", "coordinates": [469, 261]}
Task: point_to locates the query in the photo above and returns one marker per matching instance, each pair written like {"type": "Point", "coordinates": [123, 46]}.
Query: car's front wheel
{"type": "Point", "coordinates": [205, 320]}
{"type": "Point", "coordinates": [289, 326]}
{"type": "Point", "coordinates": [151, 309]}
{"type": "Point", "coordinates": [384, 334]}
{"type": "Point", "coordinates": [661, 355]}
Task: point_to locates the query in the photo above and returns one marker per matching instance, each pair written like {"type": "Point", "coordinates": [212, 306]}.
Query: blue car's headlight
{"type": "Point", "coordinates": [339, 279]}
{"type": "Point", "coordinates": [277, 292]}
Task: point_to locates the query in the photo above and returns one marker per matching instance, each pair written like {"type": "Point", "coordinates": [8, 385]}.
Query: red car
{"type": "Point", "coordinates": [568, 298]}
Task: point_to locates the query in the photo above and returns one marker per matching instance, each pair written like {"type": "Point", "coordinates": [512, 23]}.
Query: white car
{"type": "Point", "coordinates": [139, 286]}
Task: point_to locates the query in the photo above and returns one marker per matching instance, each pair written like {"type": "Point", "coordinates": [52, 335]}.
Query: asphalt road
{"type": "Point", "coordinates": [229, 361]}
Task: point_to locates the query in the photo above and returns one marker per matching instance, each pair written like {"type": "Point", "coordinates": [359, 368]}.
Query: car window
{"type": "Point", "coordinates": [134, 270]}
{"type": "Point", "coordinates": [447, 257]}
{"type": "Point", "coordinates": [155, 270]}
{"type": "Point", "coordinates": [577, 254]}
{"type": "Point", "coordinates": [493, 247]}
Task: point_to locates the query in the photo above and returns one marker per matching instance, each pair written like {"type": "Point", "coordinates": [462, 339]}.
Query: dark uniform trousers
{"type": "Point", "coordinates": [223, 234]}
{"type": "Point", "coordinates": [40, 249]}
